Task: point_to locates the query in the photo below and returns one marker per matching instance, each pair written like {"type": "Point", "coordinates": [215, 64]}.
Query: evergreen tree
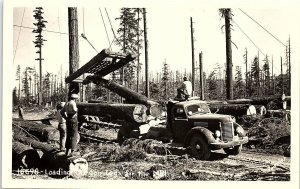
{"type": "Point", "coordinates": [128, 41]}
{"type": "Point", "coordinates": [15, 97]}
{"type": "Point", "coordinates": [165, 81]}
{"type": "Point", "coordinates": [39, 42]}
{"type": "Point", "coordinates": [18, 78]}
{"type": "Point", "coordinates": [255, 75]}
{"type": "Point", "coordinates": [212, 85]}
{"type": "Point", "coordinates": [46, 87]}
{"type": "Point", "coordinates": [239, 86]}
{"type": "Point", "coordinates": [266, 71]}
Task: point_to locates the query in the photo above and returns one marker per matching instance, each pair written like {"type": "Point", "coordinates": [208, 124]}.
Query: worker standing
{"type": "Point", "coordinates": [61, 126]}
{"type": "Point", "coordinates": [185, 89]}
{"type": "Point", "coordinates": [69, 112]}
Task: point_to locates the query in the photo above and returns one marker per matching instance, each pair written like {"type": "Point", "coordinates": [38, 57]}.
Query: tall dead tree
{"type": "Point", "coordinates": [201, 77]}
{"type": "Point", "coordinates": [39, 42]}
{"type": "Point", "coordinates": [73, 47]}
{"type": "Point", "coordinates": [146, 54]}
{"type": "Point", "coordinates": [226, 13]}
{"type": "Point", "coordinates": [193, 57]}
{"type": "Point", "coordinates": [289, 64]}
{"type": "Point", "coordinates": [246, 62]}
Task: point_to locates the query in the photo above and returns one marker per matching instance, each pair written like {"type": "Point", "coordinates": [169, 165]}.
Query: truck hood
{"type": "Point", "coordinates": [212, 117]}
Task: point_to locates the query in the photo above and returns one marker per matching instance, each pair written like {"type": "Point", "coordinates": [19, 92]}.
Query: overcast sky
{"type": "Point", "coordinates": [169, 36]}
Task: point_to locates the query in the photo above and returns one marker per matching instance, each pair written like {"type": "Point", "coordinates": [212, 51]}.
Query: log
{"type": "Point", "coordinates": [272, 102]}
{"type": "Point", "coordinates": [56, 163]}
{"type": "Point", "coordinates": [233, 109]}
{"type": "Point", "coordinates": [98, 64]}
{"type": "Point", "coordinates": [41, 131]}
{"type": "Point", "coordinates": [24, 156]}
{"type": "Point", "coordinates": [129, 112]}
{"type": "Point", "coordinates": [285, 114]}
{"type": "Point", "coordinates": [132, 97]}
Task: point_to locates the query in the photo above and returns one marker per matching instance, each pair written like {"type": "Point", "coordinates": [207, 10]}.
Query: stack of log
{"type": "Point", "coordinates": [33, 151]}
{"type": "Point", "coordinates": [265, 106]}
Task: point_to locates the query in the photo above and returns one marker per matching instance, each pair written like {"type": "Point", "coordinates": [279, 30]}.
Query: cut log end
{"type": "Point", "coordinates": [24, 156]}
{"type": "Point", "coordinates": [78, 168]}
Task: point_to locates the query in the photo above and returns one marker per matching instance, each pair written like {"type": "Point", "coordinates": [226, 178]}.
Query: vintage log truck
{"type": "Point", "coordinates": [188, 123]}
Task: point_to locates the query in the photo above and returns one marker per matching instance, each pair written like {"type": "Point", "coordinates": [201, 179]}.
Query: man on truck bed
{"type": "Point", "coordinates": [185, 89]}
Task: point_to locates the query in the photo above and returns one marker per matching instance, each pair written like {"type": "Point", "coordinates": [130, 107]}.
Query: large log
{"type": "Point", "coordinates": [233, 109]}
{"type": "Point", "coordinates": [129, 112]}
{"type": "Point", "coordinates": [269, 102]}
{"type": "Point", "coordinates": [154, 109]}
{"type": "Point", "coordinates": [41, 131]}
{"type": "Point", "coordinates": [56, 163]}
{"type": "Point", "coordinates": [99, 64]}
{"type": "Point", "coordinates": [24, 156]}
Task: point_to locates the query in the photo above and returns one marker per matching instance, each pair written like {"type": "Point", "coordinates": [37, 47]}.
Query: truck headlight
{"type": "Point", "coordinates": [217, 133]}
{"type": "Point", "coordinates": [240, 131]}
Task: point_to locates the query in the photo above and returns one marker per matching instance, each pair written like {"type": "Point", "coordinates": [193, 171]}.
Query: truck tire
{"type": "Point", "coordinates": [199, 147]}
{"type": "Point", "coordinates": [233, 151]}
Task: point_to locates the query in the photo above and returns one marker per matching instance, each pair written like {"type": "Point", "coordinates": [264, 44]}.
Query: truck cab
{"type": "Point", "coordinates": [192, 124]}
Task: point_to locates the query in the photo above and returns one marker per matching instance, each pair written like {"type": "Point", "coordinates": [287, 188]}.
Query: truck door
{"type": "Point", "coordinates": [179, 124]}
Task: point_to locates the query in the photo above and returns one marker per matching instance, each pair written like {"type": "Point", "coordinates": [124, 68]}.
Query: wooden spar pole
{"type": "Point", "coordinates": [229, 87]}
{"type": "Point", "coordinates": [73, 47]}
{"type": "Point", "coordinates": [193, 57]}
{"type": "Point", "coordinates": [201, 77]}
{"type": "Point", "coordinates": [147, 92]}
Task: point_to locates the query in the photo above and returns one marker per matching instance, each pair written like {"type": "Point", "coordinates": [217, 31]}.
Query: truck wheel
{"type": "Point", "coordinates": [233, 151]}
{"type": "Point", "coordinates": [199, 147]}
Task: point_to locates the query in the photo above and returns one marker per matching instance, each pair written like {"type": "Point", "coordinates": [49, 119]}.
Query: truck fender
{"type": "Point", "coordinates": [202, 131]}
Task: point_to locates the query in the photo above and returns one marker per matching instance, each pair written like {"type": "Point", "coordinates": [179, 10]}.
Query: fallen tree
{"type": "Point", "coordinates": [54, 162]}
{"type": "Point", "coordinates": [132, 97]}
{"type": "Point", "coordinates": [233, 109]}
{"type": "Point", "coordinates": [41, 131]}
{"type": "Point", "coordinates": [129, 112]}
{"type": "Point", "coordinates": [24, 156]}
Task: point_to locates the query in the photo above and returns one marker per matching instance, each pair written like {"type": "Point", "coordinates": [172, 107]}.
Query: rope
{"type": "Point", "coordinates": [262, 27]}
{"type": "Point", "coordinates": [112, 29]}
{"type": "Point", "coordinates": [18, 37]}
{"type": "Point", "coordinates": [105, 28]}
{"type": "Point", "coordinates": [84, 37]}
{"type": "Point", "coordinates": [43, 29]}
{"type": "Point", "coordinates": [248, 37]}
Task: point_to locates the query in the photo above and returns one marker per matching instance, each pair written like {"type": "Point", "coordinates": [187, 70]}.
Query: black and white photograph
{"type": "Point", "coordinates": [164, 93]}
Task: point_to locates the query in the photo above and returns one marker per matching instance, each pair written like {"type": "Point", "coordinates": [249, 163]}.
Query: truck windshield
{"type": "Point", "coordinates": [197, 108]}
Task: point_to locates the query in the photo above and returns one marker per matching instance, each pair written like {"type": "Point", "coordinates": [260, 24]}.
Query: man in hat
{"type": "Point", "coordinates": [61, 126]}
{"type": "Point", "coordinates": [185, 89]}
{"type": "Point", "coordinates": [69, 112]}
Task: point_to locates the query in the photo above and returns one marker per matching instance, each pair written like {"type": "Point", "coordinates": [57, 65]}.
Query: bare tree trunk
{"type": "Point", "coordinates": [201, 77]}
{"type": "Point", "coordinates": [193, 57]}
{"type": "Point", "coordinates": [229, 87]}
{"type": "Point", "coordinates": [73, 47]}
{"type": "Point", "coordinates": [147, 92]}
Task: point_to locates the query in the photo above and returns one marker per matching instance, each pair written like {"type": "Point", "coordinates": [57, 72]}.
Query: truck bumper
{"type": "Point", "coordinates": [230, 144]}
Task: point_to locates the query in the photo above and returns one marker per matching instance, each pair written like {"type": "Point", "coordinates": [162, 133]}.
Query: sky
{"type": "Point", "coordinates": [169, 36]}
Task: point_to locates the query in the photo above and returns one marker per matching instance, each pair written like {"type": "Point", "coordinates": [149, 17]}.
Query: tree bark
{"type": "Point", "coordinates": [129, 112]}
{"type": "Point", "coordinates": [229, 86]}
{"type": "Point", "coordinates": [233, 109]}
{"type": "Point", "coordinates": [41, 131]}
{"type": "Point", "coordinates": [54, 162]}
{"type": "Point", "coordinates": [132, 97]}
{"type": "Point", "coordinates": [23, 156]}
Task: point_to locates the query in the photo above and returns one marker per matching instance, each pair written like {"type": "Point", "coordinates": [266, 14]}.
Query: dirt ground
{"type": "Point", "coordinates": [249, 165]}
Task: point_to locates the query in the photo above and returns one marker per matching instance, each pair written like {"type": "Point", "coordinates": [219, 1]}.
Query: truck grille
{"type": "Point", "coordinates": [227, 131]}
